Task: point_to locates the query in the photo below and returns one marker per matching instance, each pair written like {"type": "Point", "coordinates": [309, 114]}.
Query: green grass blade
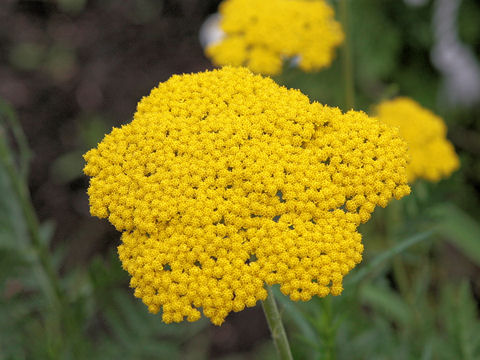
{"type": "Point", "coordinates": [460, 229]}
{"type": "Point", "coordinates": [387, 255]}
{"type": "Point", "coordinates": [387, 301]}
{"type": "Point", "coordinates": [7, 114]}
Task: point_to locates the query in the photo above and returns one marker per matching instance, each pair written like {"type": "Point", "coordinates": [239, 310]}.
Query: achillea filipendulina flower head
{"type": "Point", "coordinates": [261, 34]}
{"type": "Point", "coordinates": [225, 181]}
{"type": "Point", "coordinates": [432, 155]}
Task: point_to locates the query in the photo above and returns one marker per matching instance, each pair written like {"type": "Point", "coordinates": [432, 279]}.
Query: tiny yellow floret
{"type": "Point", "coordinates": [262, 34]}
{"type": "Point", "coordinates": [225, 181]}
{"type": "Point", "coordinates": [433, 157]}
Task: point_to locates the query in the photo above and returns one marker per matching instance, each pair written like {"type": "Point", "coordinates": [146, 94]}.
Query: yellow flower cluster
{"type": "Point", "coordinates": [261, 34]}
{"type": "Point", "coordinates": [432, 155]}
{"type": "Point", "coordinates": [225, 181]}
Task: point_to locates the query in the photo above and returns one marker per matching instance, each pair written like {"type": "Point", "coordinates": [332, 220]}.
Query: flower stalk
{"type": "Point", "coordinates": [275, 324]}
{"type": "Point", "coordinates": [347, 61]}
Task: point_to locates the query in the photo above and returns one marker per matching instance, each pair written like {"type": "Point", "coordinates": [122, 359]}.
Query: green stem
{"type": "Point", "coordinates": [400, 275]}
{"type": "Point", "coordinates": [275, 324]}
{"type": "Point", "coordinates": [347, 60]}
{"type": "Point", "coordinates": [328, 328]}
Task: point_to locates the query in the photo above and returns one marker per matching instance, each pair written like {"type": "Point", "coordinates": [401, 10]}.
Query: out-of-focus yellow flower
{"type": "Point", "coordinates": [225, 181]}
{"type": "Point", "coordinates": [432, 155]}
{"type": "Point", "coordinates": [262, 34]}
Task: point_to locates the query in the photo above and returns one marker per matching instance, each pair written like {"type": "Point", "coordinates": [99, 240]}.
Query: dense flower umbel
{"type": "Point", "coordinates": [261, 34]}
{"type": "Point", "coordinates": [225, 181]}
{"type": "Point", "coordinates": [432, 155]}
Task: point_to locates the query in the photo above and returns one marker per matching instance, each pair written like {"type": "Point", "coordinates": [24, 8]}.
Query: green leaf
{"type": "Point", "coordinates": [388, 254]}
{"type": "Point", "coordinates": [13, 230]}
{"type": "Point", "coordinates": [13, 264]}
{"type": "Point", "coordinates": [92, 130]}
{"type": "Point", "coordinates": [387, 301]}
{"type": "Point", "coordinates": [9, 120]}
{"type": "Point", "coordinates": [46, 230]}
{"type": "Point", "coordinates": [68, 166]}
{"type": "Point", "coordinates": [427, 353]}
{"type": "Point", "coordinates": [460, 229]}
{"type": "Point", "coordinates": [460, 320]}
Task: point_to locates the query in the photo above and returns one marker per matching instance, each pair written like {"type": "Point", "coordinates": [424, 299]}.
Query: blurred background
{"type": "Point", "coordinates": [73, 69]}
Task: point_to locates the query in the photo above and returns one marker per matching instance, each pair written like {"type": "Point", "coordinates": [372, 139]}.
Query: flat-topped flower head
{"type": "Point", "coordinates": [225, 181]}
{"type": "Point", "coordinates": [433, 157]}
{"type": "Point", "coordinates": [262, 34]}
